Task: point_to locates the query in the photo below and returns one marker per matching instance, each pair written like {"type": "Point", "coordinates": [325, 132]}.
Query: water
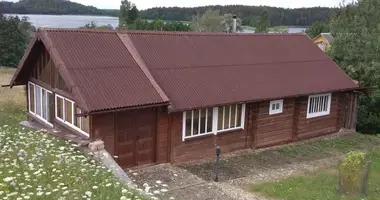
{"type": "Point", "coordinates": [68, 21]}
{"type": "Point", "coordinates": [75, 21]}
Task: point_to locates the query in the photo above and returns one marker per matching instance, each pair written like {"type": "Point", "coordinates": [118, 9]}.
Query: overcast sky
{"type": "Point", "coordinates": [144, 4]}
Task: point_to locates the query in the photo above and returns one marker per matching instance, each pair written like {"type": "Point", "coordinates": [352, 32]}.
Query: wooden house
{"type": "Point", "coordinates": [324, 41]}
{"type": "Point", "coordinates": [156, 97]}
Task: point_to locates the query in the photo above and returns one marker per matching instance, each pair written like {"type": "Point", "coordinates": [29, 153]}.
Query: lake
{"type": "Point", "coordinates": [75, 21]}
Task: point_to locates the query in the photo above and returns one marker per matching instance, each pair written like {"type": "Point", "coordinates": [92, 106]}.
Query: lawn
{"type": "Point", "coordinates": [35, 165]}
{"type": "Point", "coordinates": [238, 166]}
{"type": "Point", "coordinates": [321, 184]}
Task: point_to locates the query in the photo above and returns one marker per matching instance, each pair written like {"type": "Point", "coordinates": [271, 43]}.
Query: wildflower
{"type": "Point", "coordinates": [123, 191]}
{"type": "Point", "coordinates": [13, 184]}
{"type": "Point", "coordinates": [95, 187]}
{"type": "Point", "coordinates": [88, 193]}
{"type": "Point", "coordinates": [8, 179]}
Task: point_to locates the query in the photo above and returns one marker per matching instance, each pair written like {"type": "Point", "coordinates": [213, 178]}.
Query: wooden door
{"type": "Point", "coordinates": [136, 132]}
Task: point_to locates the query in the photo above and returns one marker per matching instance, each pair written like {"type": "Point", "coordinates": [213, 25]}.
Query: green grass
{"type": "Point", "coordinates": [322, 184]}
{"type": "Point", "coordinates": [35, 165]}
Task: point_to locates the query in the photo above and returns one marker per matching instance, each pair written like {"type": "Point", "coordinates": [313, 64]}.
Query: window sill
{"type": "Point", "coordinates": [212, 133]}
{"type": "Point", "coordinates": [197, 137]}
{"type": "Point", "coordinates": [40, 119]}
{"type": "Point", "coordinates": [229, 130]}
{"type": "Point", "coordinates": [71, 128]}
{"type": "Point", "coordinates": [315, 116]}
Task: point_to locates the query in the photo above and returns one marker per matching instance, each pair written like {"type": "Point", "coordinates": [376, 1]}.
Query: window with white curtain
{"type": "Point", "coordinates": [318, 105]}
{"type": "Point", "coordinates": [39, 100]}
{"type": "Point", "coordinates": [207, 121]}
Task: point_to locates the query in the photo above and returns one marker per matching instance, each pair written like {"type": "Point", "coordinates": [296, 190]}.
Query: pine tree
{"type": "Point", "coordinates": [262, 24]}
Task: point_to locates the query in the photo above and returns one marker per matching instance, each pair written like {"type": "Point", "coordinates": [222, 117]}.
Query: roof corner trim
{"type": "Point", "coordinates": [140, 62]}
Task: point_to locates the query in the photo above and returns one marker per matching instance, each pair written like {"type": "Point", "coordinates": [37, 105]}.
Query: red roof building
{"type": "Point", "coordinates": [156, 97]}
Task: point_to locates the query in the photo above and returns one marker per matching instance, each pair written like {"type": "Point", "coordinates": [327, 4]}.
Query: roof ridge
{"type": "Point", "coordinates": [124, 38]}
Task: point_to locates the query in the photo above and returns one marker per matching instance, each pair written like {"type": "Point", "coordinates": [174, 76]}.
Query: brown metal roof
{"type": "Point", "coordinates": [204, 69]}
{"type": "Point", "coordinates": [109, 70]}
{"type": "Point", "coordinates": [99, 69]}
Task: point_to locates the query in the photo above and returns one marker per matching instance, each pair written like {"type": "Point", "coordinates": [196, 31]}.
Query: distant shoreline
{"type": "Point", "coordinates": [60, 14]}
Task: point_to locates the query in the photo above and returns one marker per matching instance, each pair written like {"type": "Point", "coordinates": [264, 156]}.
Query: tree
{"type": "Point", "coordinates": [210, 21]}
{"type": "Point", "coordinates": [227, 23]}
{"type": "Point", "coordinates": [317, 28]}
{"type": "Point", "coordinates": [15, 34]}
{"type": "Point", "coordinates": [133, 14]}
{"type": "Point", "coordinates": [125, 7]}
{"type": "Point", "coordinates": [93, 25]}
{"type": "Point", "coordinates": [356, 49]}
{"type": "Point", "coordinates": [262, 24]}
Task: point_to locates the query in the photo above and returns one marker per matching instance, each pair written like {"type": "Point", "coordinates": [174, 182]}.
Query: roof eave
{"type": "Point", "coordinates": [265, 99]}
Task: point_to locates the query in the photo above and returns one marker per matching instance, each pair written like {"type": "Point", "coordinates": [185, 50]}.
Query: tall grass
{"type": "Point", "coordinates": [35, 165]}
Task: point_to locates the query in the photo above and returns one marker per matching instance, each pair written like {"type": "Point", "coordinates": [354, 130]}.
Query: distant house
{"type": "Point", "coordinates": [156, 97]}
{"type": "Point", "coordinates": [324, 40]}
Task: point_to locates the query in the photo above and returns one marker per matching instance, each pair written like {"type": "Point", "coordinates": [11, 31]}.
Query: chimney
{"type": "Point", "coordinates": [234, 24]}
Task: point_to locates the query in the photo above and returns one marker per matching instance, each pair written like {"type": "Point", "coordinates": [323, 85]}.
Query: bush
{"type": "Point", "coordinates": [353, 174]}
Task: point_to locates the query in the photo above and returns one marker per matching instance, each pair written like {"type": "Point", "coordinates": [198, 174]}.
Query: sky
{"type": "Point", "coordinates": [144, 4]}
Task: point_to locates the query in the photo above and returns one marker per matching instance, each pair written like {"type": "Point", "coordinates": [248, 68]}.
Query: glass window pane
{"type": "Point", "coordinates": [188, 123]}
{"type": "Point", "coordinates": [31, 96]}
{"type": "Point", "coordinates": [220, 118]}
{"type": "Point", "coordinates": [69, 111]}
{"type": "Point", "coordinates": [277, 106]}
{"type": "Point", "coordinates": [233, 115]}
{"type": "Point", "coordinates": [209, 119]}
{"type": "Point", "coordinates": [59, 107]}
{"type": "Point", "coordinates": [273, 106]}
{"type": "Point", "coordinates": [78, 121]}
{"type": "Point", "coordinates": [44, 104]}
{"type": "Point", "coordinates": [203, 120]}
{"type": "Point", "coordinates": [38, 100]}
{"type": "Point", "coordinates": [86, 124]}
{"type": "Point", "coordinates": [239, 115]}
{"type": "Point", "coordinates": [226, 117]}
{"type": "Point", "coordinates": [195, 122]}
{"type": "Point", "coordinates": [49, 107]}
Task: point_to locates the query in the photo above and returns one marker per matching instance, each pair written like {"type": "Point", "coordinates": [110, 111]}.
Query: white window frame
{"type": "Point", "coordinates": [35, 103]}
{"type": "Point", "coordinates": [71, 125]}
{"type": "Point", "coordinates": [215, 131]}
{"type": "Point", "coordinates": [276, 111]}
{"type": "Point", "coordinates": [321, 113]}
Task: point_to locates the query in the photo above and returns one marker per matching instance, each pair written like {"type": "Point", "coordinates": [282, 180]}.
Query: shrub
{"type": "Point", "coordinates": [353, 174]}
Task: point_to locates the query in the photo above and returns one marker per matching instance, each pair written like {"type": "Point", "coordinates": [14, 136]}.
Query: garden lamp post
{"type": "Point", "coordinates": [217, 150]}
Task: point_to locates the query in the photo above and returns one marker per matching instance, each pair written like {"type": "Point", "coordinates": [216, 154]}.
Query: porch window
{"type": "Point", "coordinates": [65, 112]}
{"type": "Point", "coordinates": [213, 120]}
{"type": "Point", "coordinates": [276, 107]}
{"type": "Point", "coordinates": [318, 105]}
{"type": "Point", "coordinates": [39, 102]}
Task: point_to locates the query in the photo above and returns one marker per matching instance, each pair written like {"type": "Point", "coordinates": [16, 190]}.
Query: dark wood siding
{"type": "Point", "coordinates": [261, 129]}
{"type": "Point", "coordinates": [318, 126]}
{"type": "Point", "coordinates": [129, 135]}
{"type": "Point", "coordinates": [103, 128]}
{"type": "Point", "coordinates": [276, 128]}
{"type": "Point", "coordinates": [204, 146]}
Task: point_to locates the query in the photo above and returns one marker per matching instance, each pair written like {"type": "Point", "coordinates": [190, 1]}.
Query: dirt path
{"type": "Point", "coordinates": [170, 182]}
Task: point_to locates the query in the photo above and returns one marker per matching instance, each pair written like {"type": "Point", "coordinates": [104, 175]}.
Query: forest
{"type": "Point", "coordinates": [248, 14]}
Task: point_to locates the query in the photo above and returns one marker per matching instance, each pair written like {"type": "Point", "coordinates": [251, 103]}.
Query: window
{"type": "Point", "coordinates": [212, 120]}
{"type": "Point", "coordinates": [276, 107]}
{"type": "Point", "coordinates": [65, 112]}
{"type": "Point", "coordinates": [198, 122]}
{"type": "Point", "coordinates": [39, 102]}
{"type": "Point", "coordinates": [318, 105]}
